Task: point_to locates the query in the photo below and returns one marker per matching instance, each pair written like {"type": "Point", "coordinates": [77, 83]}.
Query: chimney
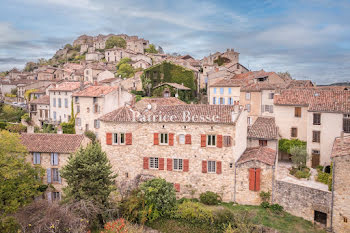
{"type": "Point", "coordinates": [59, 130]}
{"type": "Point", "coordinates": [30, 129]}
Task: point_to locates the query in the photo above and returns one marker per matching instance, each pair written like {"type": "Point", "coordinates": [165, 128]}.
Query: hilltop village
{"type": "Point", "coordinates": [203, 125]}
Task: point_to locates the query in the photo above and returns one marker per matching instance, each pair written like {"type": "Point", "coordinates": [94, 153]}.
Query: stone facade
{"type": "Point", "coordinates": [224, 95]}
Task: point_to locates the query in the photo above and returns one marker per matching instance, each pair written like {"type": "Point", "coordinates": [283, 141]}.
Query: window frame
{"type": "Point", "coordinates": [316, 139]}
{"type": "Point", "coordinates": [180, 139]}
{"type": "Point", "coordinates": [211, 166]}
{"type": "Point", "coordinates": [165, 138]}
{"type": "Point", "coordinates": [211, 138]}
{"type": "Point", "coordinates": [35, 159]}
{"type": "Point", "coordinates": [154, 161]}
{"type": "Point", "coordinates": [314, 119]}
{"type": "Point", "coordinates": [297, 113]}
{"type": "Point", "coordinates": [263, 143]}
{"type": "Point", "coordinates": [247, 96]}
{"type": "Point", "coordinates": [179, 163]}
{"type": "Point", "coordinates": [296, 132]}
{"type": "Point", "coordinates": [53, 175]}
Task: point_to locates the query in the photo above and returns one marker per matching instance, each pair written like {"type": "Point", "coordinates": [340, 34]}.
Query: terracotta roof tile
{"type": "Point", "coordinates": [176, 85]}
{"type": "Point", "coordinates": [263, 128]}
{"type": "Point", "coordinates": [228, 82]}
{"type": "Point", "coordinates": [341, 147]}
{"type": "Point", "coordinates": [263, 154]}
{"type": "Point", "coordinates": [66, 86]}
{"type": "Point", "coordinates": [95, 91]}
{"type": "Point", "coordinates": [60, 143]}
{"type": "Point", "coordinates": [161, 101]}
{"type": "Point", "coordinates": [45, 99]}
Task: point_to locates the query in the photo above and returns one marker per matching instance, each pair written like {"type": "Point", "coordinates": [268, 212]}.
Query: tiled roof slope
{"type": "Point", "coordinates": [223, 113]}
{"type": "Point", "coordinates": [263, 128]}
{"type": "Point", "coordinates": [341, 146]}
{"type": "Point", "coordinates": [228, 82]}
{"type": "Point", "coordinates": [60, 143]}
{"type": "Point", "coordinates": [162, 101]}
{"type": "Point", "coordinates": [95, 91]}
{"type": "Point", "coordinates": [263, 154]}
{"type": "Point", "coordinates": [66, 86]}
{"type": "Point", "coordinates": [45, 99]}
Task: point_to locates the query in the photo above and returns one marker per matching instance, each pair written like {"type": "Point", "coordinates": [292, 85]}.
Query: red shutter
{"type": "Point", "coordinates": [156, 139]}
{"type": "Point", "coordinates": [218, 167]}
{"type": "Point", "coordinates": [161, 164]}
{"type": "Point", "coordinates": [109, 138]}
{"type": "Point", "coordinates": [219, 142]}
{"type": "Point", "coordinates": [128, 138]}
{"type": "Point", "coordinates": [177, 187]}
{"type": "Point", "coordinates": [169, 164]}
{"type": "Point", "coordinates": [145, 162]}
{"type": "Point", "coordinates": [188, 139]}
{"type": "Point", "coordinates": [203, 140]}
{"type": "Point", "coordinates": [204, 166]}
{"type": "Point", "coordinates": [186, 165]}
{"type": "Point", "coordinates": [171, 139]}
{"type": "Point", "coordinates": [251, 179]}
{"type": "Point", "coordinates": [257, 179]}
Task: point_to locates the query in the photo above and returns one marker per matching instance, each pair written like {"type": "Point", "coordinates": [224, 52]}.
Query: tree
{"type": "Point", "coordinates": [11, 114]}
{"type": "Point", "coordinates": [124, 60]}
{"type": "Point", "coordinates": [115, 41]}
{"type": "Point", "coordinates": [19, 180]}
{"type": "Point", "coordinates": [14, 91]}
{"type": "Point", "coordinates": [30, 66]}
{"type": "Point", "coordinates": [284, 75]}
{"type": "Point", "coordinates": [68, 47]}
{"type": "Point", "coordinates": [151, 49]}
{"type": "Point", "coordinates": [89, 176]}
{"type": "Point", "coordinates": [299, 156]}
{"type": "Point", "coordinates": [125, 70]}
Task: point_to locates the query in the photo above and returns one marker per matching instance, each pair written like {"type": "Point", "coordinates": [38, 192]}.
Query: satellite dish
{"type": "Point", "coordinates": [149, 106]}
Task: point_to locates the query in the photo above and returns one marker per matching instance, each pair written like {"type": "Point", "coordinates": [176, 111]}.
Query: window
{"type": "Point", "coordinates": [317, 119]}
{"type": "Point", "coordinates": [267, 108]}
{"type": "Point", "coordinates": [36, 158]}
{"type": "Point", "coordinates": [229, 90]}
{"type": "Point", "coordinates": [262, 142]}
{"type": "Point", "coordinates": [182, 138]}
{"type": "Point", "coordinates": [294, 132]}
{"type": "Point", "coordinates": [214, 100]}
{"type": "Point", "coordinates": [249, 119]}
{"type": "Point", "coordinates": [227, 141]}
{"type": "Point", "coordinates": [54, 159]}
{"type": "Point", "coordinates": [230, 101]}
{"type": "Point", "coordinates": [54, 115]}
{"type": "Point", "coordinates": [247, 106]}
{"type": "Point", "coordinates": [214, 90]}
{"type": "Point", "coordinates": [78, 108]}
{"type": "Point", "coordinates": [54, 102]}
{"type": "Point", "coordinates": [153, 163]}
{"type": "Point", "coordinates": [76, 99]}
{"type": "Point", "coordinates": [271, 95]}
{"type": "Point", "coordinates": [95, 100]}
{"type": "Point", "coordinates": [211, 166]}
{"type": "Point", "coordinates": [211, 140]}
{"type": "Point", "coordinates": [231, 165]}
{"type": "Point", "coordinates": [221, 91]}
{"type": "Point", "coordinates": [96, 108]}
{"type": "Point", "coordinates": [316, 136]}
{"type": "Point", "coordinates": [247, 96]}
{"type": "Point", "coordinates": [55, 175]}
{"type": "Point", "coordinates": [254, 179]}
{"type": "Point", "coordinates": [297, 111]}
{"type": "Point", "coordinates": [97, 124]}
{"type": "Point", "coordinates": [164, 139]}
{"type": "Point", "coordinates": [55, 196]}
{"type": "Point", "coordinates": [178, 164]}
{"type": "Point", "coordinates": [119, 138]}
{"type": "Point", "coordinates": [222, 100]}
{"type": "Point", "coordinates": [77, 121]}
{"type": "Point", "coordinates": [346, 123]}
{"type": "Point", "coordinates": [59, 102]}
{"type": "Point", "coordinates": [66, 103]}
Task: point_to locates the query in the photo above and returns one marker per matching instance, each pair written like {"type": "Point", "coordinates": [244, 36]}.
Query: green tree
{"type": "Point", "coordinates": [115, 41]}
{"type": "Point", "coordinates": [68, 46]}
{"type": "Point", "coordinates": [14, 91]}
{"type": "Point", "coordinates": [125, 70]}
{"type": "Point", "coordinates": [151, 49]}
{"type": "Point", "coordinates": [89, 176]}
{"type": "Point", "coordinates": [299, 156]}
{"type": "Point", "coordinates": [19, 180]}
{"type": "Point", "coordinates": [11, 114]}
{"type": "Point", "coordinates": [122, 61]}
{"type": "Point", "coordinates": [30, 66]}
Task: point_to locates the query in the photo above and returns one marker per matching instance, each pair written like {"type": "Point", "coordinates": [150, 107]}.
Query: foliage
{"type": "Point", "coordinates": [3, 125]}
{"type": "Point", "coordinates": [27, 94]}
{"type": "Point", "coordinates": [14, 91]}
{"type": "Point", "coordinates": [265, 204]}
{"type": "Point", "coordinates": [209, 198]}
{"type": "Point", "coordinates": [284, 74]}
{"type": "Point", "coordinates": [221, 60]}
{"type": "Point", "coordinates": [124, 60]}
{"type": "Point", "coordinates": [68, 46]}
{"type": "Point", "coordinates": [30, 66]}
{"type": "Point", "coordinates": [138, 98]}
{"type": "Point", "coordinates": [18, 183]}
{"type": "Point", "coordinates": [194, 212]}
{"type": "Point", "coordinates": [26, 117]}
{"type": "Point", "coordinates": [10, 95]}
{"type": "Point", "coordinates": [43, 216]}
{"type": "Point", "coordinates": [48, 128]}
{"type": "Point", "coordinates": [325, 177]}
{"type": "Point", "coordinates": [299, 156]}
{"type": "Point", "coordinates": [89, 176]}
{"type": "Point", "coordinates": [115, 41]}
{"type": "Point", "coordinates": [16, 128]}
{"type": "Point", "coordinates": [285, 144]}
{"type": "Point", "coordinates": [132, 207]}
{"type": "Point", "coordinates": [141, 93]}
{"type": "Point", "coordinates": [11, 114]}
{"type": "Point", "coordinates": [265, 196]}
{"type": "Point", "coordinates": [276, 208]}
{"type": "Point", "coordinates": [125, 70]}
{"type": "Point", "coordinates": [303, 173]}
{"type": "Point", "coordinates": [91, 135]}
{"type": "Point", "coordinates": [117, 226]}
{"type": "Point", "coordinates": [151, 49]}
{"type": "Point", "coordinates": [68, 128]}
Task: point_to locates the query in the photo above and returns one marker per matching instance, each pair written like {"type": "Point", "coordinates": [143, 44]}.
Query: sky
{"type": "Point", "coordinates": [308, 38]}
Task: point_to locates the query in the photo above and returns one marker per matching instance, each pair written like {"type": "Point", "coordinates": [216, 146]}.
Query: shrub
{"type": "Point", "coordinates": [265, 196]}
{"type": "Point", "coordinates": [323, 177]}
{"type": "Point", "coordinates": [304, 173]}
{"type": "Point", "coordinates": [209, 198]}
{"type": "Point", "coordinates": [194, 212]}
{"type": "Point", "coordinates": [132, 207]}
{"type": "Point", "coordinates": [276, 208]}
{"type": "Point", "coordinates": [117, 226]}
{"type": "Point", "coordinates": [91, 135]}
{"type": "Point", "coordinates": [222, 217]}
{"type": "Point", "coordinates": [26, 117]}
{"type": "Point", "coordinates": [68, 128]}
{"type": "Point", "coordinates": [16, 128]}
{"type": "Point", "coordinates": [299, 156]}
{"type": "Point", "coordinates": [265, 204]}
{"type": "Point", "coordinates": [3, 125]}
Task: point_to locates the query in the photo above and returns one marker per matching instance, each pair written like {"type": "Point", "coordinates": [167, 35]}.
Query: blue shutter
{"type": "Point", "coordinates": [55, 158]}
{"type": "Point", "coordinates": [48, 171]}
{"type": "Point", "coordinates": [52, 158]}
{"type": "Point", "coordinates": [34, 158]}
{"type": "Point", "coordinates": [39, 157]}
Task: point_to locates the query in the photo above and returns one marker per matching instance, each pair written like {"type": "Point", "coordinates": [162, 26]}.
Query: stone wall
{"type": "Point", "coordinates": [302, 201]}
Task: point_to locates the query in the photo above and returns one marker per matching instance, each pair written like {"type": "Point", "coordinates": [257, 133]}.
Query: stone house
{"type": "Point", "coordinates": [263, 132]}
{"type": "Point", "coordinates": [93, 102]}
{"type": "Point", "coordinates": [47, 73]}
{"type": "Point", "coordinates": [91, 72]}
{"type": "Point", "coordinates": [140, 64]}
{"type": "Point", "coordinates": [225, 92]}
{"type": "Point", "coordinates": [61, 101]}
{"type": "Point", "coordinates": [39, 110]}
{"type": "Point", "coordinates": [110, 82]}
{"type": "Point", "coordinates": [137, 45]}
{"type": "Point", "coordinates": [196, 155]}
{"type": "Point", "coordinates": [93, 55]}
{"type": "Point", "coordinates": [51, 152]}
{"type": "Point", "coordinates": [115, 54]}
{"type": "Point", "coordinates": [133, 83]}
{"type": "Point", "coordinates": [104, 75]}
{"type": "Point", "coordinates": [340, 190]}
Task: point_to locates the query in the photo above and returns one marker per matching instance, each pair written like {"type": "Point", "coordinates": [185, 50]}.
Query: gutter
{"type": "Point", "coordinates": [332, 201]}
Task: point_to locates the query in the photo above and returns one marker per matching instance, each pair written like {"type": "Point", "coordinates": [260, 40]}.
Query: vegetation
{"type": "Point", "coordinates": [124, 69]}
{"type": "Point", "coordinates": [26, 117]}
{"type": "Point", "coordinates": [325, 177]}
{"type": "Point", "coordinates": [91, 135]}
{"type": "Point", "coordinates": [265, 196]}
{"type": "Point", "coordinates": [16, 128]}
{"type": "Point", "coordinates": [18, 185]}
{"type": "Point", "coordinates": [14, 91]}
{"type": "Point", "coordinates": [299, 156]}
{"type": "Point", "coordinates": [194, 212]}
{"type": "Point", "coordinates": [11, 114]}
{"type": "Point", "coordinates": [210, 198]}
{"type": "Point", "coordinates": [221, 61]}
{"type": "Point", "coordinates": [285, 144]}
{"type": "Point", "coordinates": [69, 127]}
{"type": "Point", "coordinates": [115, 41]}
{"type": "Point", "coordinates": [151, 49]}
{"type": "Point", "coordinates": [303, 173]}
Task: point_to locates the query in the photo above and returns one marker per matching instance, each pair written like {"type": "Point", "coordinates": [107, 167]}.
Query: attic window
{"type": "Point", "coordinates": [317, 94]}
{"type": "Point", "coordinates": [262, 79]}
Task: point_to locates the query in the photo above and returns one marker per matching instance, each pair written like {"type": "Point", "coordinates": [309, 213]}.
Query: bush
{"type": "Point", "coordinates": [276, 208]}
{"type": "Point", "coordinates": [265, 204]}
{"type": "Point", "coordinates": [304, 173]}
{"type": "Point", "coordinates": [26, 117]}
{"type": "Point", "coordinates": [222, 217]}
{"type": "Point", "coordinates": [3, 125]}
{"type": "Point", "coordinates": [194, 212]}
{"type": "Point", "coordinates": [209, 198]}
{"type": "Point", "coordinates": [91, 135]}
{"type": "Point", "coordinates": [121, 226]}
{"type": "Point", "coordinates": [265, 196]}
{"type": "Point", "coordinates": [68, 128]}
{"type": "Point", "coordinates": [16, 128]}
{"type": "Point", "coordinates": [323, 177]}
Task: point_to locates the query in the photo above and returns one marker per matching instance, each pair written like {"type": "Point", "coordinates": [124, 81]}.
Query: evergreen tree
{"type": "Point", "coordinates": [89, 176]}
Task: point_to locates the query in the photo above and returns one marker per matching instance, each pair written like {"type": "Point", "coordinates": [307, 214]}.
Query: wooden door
{"type": "Point", "coordinates": [315, 160]}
